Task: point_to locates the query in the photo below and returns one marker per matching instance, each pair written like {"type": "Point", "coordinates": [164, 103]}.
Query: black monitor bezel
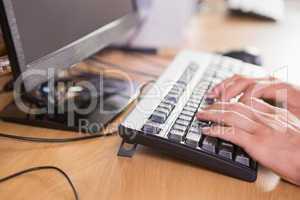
{"type": "Point", "coordinates": [62, 58]}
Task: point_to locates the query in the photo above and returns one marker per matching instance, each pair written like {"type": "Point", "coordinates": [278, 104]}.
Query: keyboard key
{"type": "Point", "coordinates": [226, 150]}
{"type": "Point", "coordinates": [175, 93]}
{"type": "Point", "coordinates": [158, 117]}
{"type": "Point", "coordinates": [177, 90]}
{"type": "Point", "coordinates": [182, 122]}
{"type": "Point", "coordinates": [209, 144]}
{"type": "Point", "coordinates": [193, 105]}
{"type": "Point", "coordinates": [176, 135]}
{"type": "Point", "coordinates": [196, 98]}
{"type": "Point", "coordinates": [195, 130]}
{"type": "Point", "coordinates": [169, 102]}
{"type": "Point", "coordinates": [201, 124]}
{"type": "Point", "coordinates": [210, 101]}
{"type": "Point", "coordinates": [188, 113]}
{"type": "Point", "coordinates": [182, 82]}
{"type": "Point", "coordinates": [193, 67]}
{"type": "Point", "coordinates": [185, 117]}
{"type": "Point", "coordinates": [173, 98]}
{"type": "Point", "coordinates": [242, 158]}
{"type": "Point", "coordinates": [198, 93]}
{"type": "Point", "coordinates": [192, 139]}
{"type": "Point", "coordinates": [191, 109]}
{"type": "Point", "coordinates": [151, 129]}
{"type": "Point", "coordinates": [196, 102]}
{"type": "Point", "coordinates": [195, 124]}
{"type": "Point", "coordinates": [203, 86]}
{"type": "Point", "coordinates": [179, 87]}
{"type": "Point", "coordinates": [180, 127]}
{"type": "Point", "coordinates": [169, 107]}
{"type": "Point", "coordinates": [163, 110]}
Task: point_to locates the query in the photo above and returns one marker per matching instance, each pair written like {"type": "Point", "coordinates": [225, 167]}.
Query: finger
{"type": "Point", "coordinates": [260, 105]}
{"type": "Point", "coordinates": [236, 107]}
{"type": "Point", "coordinates": [216, 91]}
{"type": "Point", "coordinates": [230, 118]}
{"type": "Point", "coordinates": [275, 91]}
{"type": "Point", "coordinates": [236, 89]}
{"type": "Point", "coordinates": [273, 117]}
{"type": "Point", "coordinates": [254, 91]}
{"type": "Point", "coordinates": [240, 108]}
{"type": "Point", "coordinates": [275, 113]}
{"type": "Point", "coordinates": [231, 134]}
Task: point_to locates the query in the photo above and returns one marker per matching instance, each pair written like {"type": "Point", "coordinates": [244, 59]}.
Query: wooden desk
{"type": "Point", "coordinates": [99, 174]}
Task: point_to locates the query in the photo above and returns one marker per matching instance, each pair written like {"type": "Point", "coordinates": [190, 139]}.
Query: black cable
{"type": "Point", "coordinates": [43, 168]}
{"type": "Point", "coordinates": [63, 140]}
{"type": "Point", "coordinates": [97, 60]}
{"type": "Point", "coordinates": [54, 140]}
{"type": "Point", "coordinates": [143, 87]}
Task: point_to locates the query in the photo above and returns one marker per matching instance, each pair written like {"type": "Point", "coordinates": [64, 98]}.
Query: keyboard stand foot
{"type": "Point", "coordinates": [127, 150]}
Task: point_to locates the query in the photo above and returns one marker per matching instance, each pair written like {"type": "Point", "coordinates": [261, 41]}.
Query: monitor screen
{"type": "Point", "coordinates": [61, 33]}
{"type": "Point", "coordinates": [48, 25]}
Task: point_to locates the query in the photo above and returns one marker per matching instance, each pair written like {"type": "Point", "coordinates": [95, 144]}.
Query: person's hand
{"type": "Point", "coordinates": [269, 89]}
{"type": "Point", "coordinates": [270, 135]}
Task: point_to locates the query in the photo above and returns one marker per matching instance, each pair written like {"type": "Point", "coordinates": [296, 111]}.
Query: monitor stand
{"type": "Point", "coordinates": [81, 110]}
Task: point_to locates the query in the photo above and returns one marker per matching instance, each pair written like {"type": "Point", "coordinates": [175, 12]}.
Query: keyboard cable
{"type": "Point", "coordinates": [63, 140]}
{"type": "Point", "coordinates": [41, 168]}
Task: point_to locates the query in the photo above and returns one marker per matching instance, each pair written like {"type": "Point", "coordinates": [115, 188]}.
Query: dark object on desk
{"type": "Point", "coordinates": [39, 62]}
{"type": "Point", "coordinates": [245, 56]}
{"type": "Point", "coordinates": [150, 51]}
{"type": "Point", "coordinates": [110, 97]}
{"type": "Point", "coordinates": [272, 10]}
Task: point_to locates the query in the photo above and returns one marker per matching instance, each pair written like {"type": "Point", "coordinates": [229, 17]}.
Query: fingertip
{"type": "Point", "coordinates": [212, 93]}
{"type": "Point", "coordinates": [200, 114]}
{"type": "Point", "coordinates": [205, 111]}
{"type": "Point", "coordinates": [207, 131]}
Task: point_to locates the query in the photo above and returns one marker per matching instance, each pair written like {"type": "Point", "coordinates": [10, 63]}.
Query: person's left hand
{"type": "Point", "coordinates": [268, 134]}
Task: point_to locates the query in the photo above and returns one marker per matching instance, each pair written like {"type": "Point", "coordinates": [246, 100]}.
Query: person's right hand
{"type": "Point", "coordinates": [270, 135]}
{"type": "Point", "coordinates": [270, 89]}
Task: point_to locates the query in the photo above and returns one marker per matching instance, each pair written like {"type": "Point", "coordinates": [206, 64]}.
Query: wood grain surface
{"type": "Point", "coordinates": [93, 165]}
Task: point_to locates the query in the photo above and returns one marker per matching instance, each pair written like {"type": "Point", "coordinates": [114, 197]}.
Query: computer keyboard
{"type": "Point", "coordinates": [165, 118]}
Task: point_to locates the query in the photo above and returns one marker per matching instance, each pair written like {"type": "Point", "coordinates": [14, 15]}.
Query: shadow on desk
{"type": "Point", "coordinates": [266, 180]}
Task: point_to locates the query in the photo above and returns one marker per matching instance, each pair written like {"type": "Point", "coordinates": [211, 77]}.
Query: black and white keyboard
{"type": "Point", "coordinates": [165, 118]}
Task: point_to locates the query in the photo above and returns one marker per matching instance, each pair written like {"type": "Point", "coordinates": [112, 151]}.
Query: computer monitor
{"type": "Point", "coordinates": [60, 33]}
{"type": "Point", "coordinates": [56, 34]}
